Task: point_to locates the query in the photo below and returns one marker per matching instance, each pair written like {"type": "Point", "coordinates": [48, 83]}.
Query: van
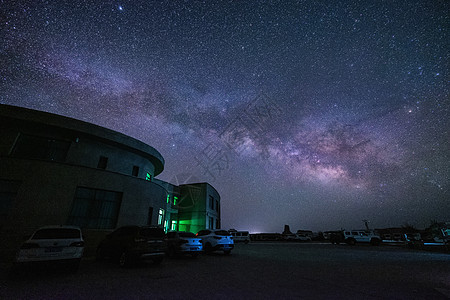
{"type": "Point", "coordinates": [240, 236]}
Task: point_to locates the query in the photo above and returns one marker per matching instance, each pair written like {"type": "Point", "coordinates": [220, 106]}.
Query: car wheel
{"type": "Point", "coordinates": [99, 255]}
{"type": "Point", "coordinates": [351, 241]}
{"type": "Point", "coordinates": [124, 259]}
{"type": "Point", "coordinates": [74, 266]}
{"type": "Point", "coordinates": [158, 260]}
{"type": "Point", "coordinates": [375, 242]}
{"type": "Point", "coordinates": [171, 252]}
{"type": "Point", "coordinates": [208, 248]}
{"type": "Point", "coordinates": [227, 252]}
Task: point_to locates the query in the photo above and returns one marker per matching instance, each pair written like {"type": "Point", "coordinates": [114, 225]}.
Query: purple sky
{"type": "Point", "coordinates": [315, 114]}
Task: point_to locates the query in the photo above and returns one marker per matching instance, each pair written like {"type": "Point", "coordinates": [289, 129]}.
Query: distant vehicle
{"type": "Point", "coordinates": [53, 244]}
{"type": "Point", "coordinates": [240, 236]}
{"type": "Point", "coordinates": [303, 238]}
{"type": "Point", "coordinates": [130, 244]}
{"type": "Point", "coordinates": [296, 237]}
{"type": "Point", "coordinates": [336, 237]}
{"type": "Point", "coordinates": [213, 240]}
{"type": "Point", "coordinates": [181, 242]}
{"type": "Point", "coordinates": [361, 236]}
{"type": "Point", "coordinates": [413, 240]}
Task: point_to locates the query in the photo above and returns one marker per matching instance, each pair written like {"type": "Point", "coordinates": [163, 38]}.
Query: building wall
{"type": "Point", "coordinates": [50, 175]}
{"type": "Point", "coordinates": [195, 212]}
{"type": "Point", "coordinates": [40, 191]}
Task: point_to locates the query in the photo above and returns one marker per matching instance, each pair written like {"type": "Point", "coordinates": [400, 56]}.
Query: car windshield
{"type": "Point", "coordinates": [186, 234]}
{"type": "Point", "coordinates": [56, 233]}
{"type": "Point", "coordinates": [152, 232]}
{"type": "Point", "coordinates": [222, 232]}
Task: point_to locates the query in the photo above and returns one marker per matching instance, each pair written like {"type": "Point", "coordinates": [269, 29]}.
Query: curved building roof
{"type": "Point", "coordinates": [85, 128]}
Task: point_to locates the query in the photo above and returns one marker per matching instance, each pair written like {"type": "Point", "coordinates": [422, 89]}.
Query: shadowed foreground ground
{"type": "Point", "coordinates": [253, 271]}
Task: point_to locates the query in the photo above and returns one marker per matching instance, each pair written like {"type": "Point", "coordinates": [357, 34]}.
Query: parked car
{"type": "Point", "coordinates": [362, 236]}
{"type": "Point", "coordinates": [130, 244]}
{"type": "Point", "coordinates": [213, 240]}
{"type": "Point", "coordinates": [182, 242]}
{"type": "Point", "coordinates": [293, 237]}
{"type": "Point", "coordinates": [413, 240]}
{"type": "Point", "coordinates": [53, 244]}
{"type": "Point", "coordinates": [336, 237]}
{"type": "Point", "coordinates": [240, 236]}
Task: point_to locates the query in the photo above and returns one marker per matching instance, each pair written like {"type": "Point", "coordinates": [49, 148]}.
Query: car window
{"type": "Point", "coordinates": [203, 232]}
{"type": "Point", "coordinates": [222, 232]}
{"type": "Point", "coordinates": [57, 233]}
{"type": "Point", "coordinates": [125, 231]}
{"type": "Point", "coordinates": [152, 232]}
{"type": "Point", "coordinates": [186, 234]}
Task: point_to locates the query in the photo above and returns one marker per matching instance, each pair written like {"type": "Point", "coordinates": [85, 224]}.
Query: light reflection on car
{"type": "Point", "coordinates": [182, 242]}
{"type": "Point", "coordinates": [213, 240]}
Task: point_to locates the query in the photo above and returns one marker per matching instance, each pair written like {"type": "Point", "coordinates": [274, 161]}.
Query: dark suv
{"type": "Point", "coordinates": [130, 244]}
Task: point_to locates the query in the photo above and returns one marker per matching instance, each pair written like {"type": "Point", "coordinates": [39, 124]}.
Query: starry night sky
{"type": "Point", "coordinates": [316, 114]}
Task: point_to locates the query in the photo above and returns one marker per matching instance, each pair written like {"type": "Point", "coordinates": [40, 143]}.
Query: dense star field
{"type": "Point", "coordinates": [316, 114]}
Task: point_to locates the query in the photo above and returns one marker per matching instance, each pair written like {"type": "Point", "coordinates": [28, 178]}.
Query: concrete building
{"type": "Point", "coordinates": [58, 170]}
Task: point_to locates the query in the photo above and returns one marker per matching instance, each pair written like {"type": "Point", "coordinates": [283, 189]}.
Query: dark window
{"type": "Point", "coordinates": [211, 222]}
{"type": "Point", "coordinates": [171, 235]}
{"type": "Point", "coordinates": [102, 162]}
{"type": "Point", "coordinates": [8, 192]}
{"type": "Point", "coordinates": [222, 232]}
{"type": "Point", "coordinates": [211, 202]}
{"type": "Point", "coordinates": [217, 205]}
{"type": "Point", "coordinates": [150, 216]}
{"type": "Point", "coordinates": [152, 232]}
{"type": "Point", "coordinates": [217, 223]}
{"type": "Point", "coordinates": [56, 233]}
{"type": "Point", "coordinates": [203, 232]}
{"type": "Point", "coordinates": [28, 146]}
{"type": "Point", "coordinates": [135, 171]}
{"type": "Point", "coordinates": [186, 234]}
{"type": "Point", "coordinates": [96, 209]}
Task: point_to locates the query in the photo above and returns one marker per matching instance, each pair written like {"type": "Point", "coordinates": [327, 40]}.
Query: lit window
{"type": "Point", "coordinates": [168, 198]}
{"type": "Point", "coordinates": [161, 216]}
{"type": "Point", "coordinates": [148, 177]}
{"type": "Point", "coordinates": [175, 199]}
{"type": "Point", "coordinates": [166, 225]}
{"type": "Point", "coordinates": [174, 225]}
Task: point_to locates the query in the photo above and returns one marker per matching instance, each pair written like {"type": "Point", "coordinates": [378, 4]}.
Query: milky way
{"type": "Point", "coordinates": [308, 113]}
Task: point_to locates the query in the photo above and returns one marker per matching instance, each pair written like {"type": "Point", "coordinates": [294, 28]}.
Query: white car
{"type": "Point", "coordinates": [240, 236]}
{"type": "Point", "coordinates": [361, 236]}
{"type": "Point", "coordinates": [216, 239]}
{"type": "Point", "coordinates": [296, 237]}
{"type": "Point", "coordinates": [182, 242]}
{"type": "Point", "coordinates": [52, 244]}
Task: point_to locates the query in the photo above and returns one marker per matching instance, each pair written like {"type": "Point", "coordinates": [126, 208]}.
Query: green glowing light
{"type": "Point", "coordinates": [148, 177]}
{"type": "Point", "coordinates": [168, 198]}
{"type": "Point", "coordinates": [175, 198]}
